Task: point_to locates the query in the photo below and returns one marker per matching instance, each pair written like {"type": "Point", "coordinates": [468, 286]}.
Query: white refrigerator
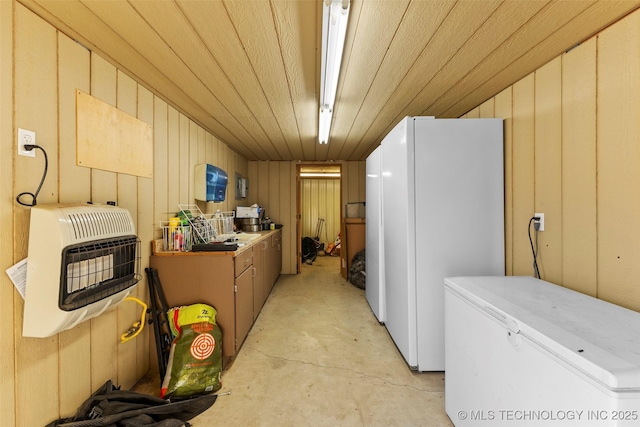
{"type": "Point", "coordinates": [443, 215]}
{"type": "Point", "coordinates": [374, 239]}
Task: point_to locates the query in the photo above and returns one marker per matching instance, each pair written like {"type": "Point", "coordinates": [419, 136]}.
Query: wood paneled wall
{"type": "Point", "coordinates": [7, 292]}
{"type": "Point", "coordinates": [320, 198]}
{"type": "Point", "coordinates": [43, 379]}
{"type": "Point", "coordinates": [572, 152]}
{"type": "Point", "coordinates": [274, 186]}
{"type": "Point", "coordinates": [354, 178]}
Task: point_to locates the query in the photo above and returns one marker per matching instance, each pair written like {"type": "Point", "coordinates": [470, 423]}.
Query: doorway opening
{"type": "Point", "coordinates": [318, 212]}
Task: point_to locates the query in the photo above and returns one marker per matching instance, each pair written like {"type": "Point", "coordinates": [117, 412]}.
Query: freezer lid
{"type": "Point", "coordinates": [597, 338]}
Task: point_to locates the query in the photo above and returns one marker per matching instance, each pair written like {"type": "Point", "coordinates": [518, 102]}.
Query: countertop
{"type": "Point", "coordinates": [156, 246]}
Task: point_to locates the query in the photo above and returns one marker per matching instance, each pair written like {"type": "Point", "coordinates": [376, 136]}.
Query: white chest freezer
{"type": "Point", "coordinates": [523, 352]}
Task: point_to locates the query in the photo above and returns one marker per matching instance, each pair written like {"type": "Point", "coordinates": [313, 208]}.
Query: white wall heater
{"type": "Point", "coordinates": [83, 259]}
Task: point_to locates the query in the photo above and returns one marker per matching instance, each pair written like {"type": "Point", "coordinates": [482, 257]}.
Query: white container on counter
{"type": "Point", "coordinates": [247, 212]}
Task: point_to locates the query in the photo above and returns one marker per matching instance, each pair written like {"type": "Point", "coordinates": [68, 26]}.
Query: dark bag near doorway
{"type": "Point", "coordinates": [357, 272]}
{"type": "Point", "coordinates": [309, 250]}
{"type": "Point", "coordinates": [111, 407]}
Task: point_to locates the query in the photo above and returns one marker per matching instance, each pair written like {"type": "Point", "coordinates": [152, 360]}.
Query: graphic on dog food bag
{"type": "Point", "coordinates": [203, 346]}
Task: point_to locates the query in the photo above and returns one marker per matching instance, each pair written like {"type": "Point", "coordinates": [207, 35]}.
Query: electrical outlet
{"type": "Point", "coordinates": [26, 137]}
{"type": "Point", "coordinates": [540, 222]}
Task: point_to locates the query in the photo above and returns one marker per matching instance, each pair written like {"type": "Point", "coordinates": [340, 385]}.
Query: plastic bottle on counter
{"type": "Point", "coordinates": [174, 230]}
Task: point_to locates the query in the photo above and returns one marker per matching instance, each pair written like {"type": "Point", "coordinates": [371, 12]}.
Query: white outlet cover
{"type": "Point", "coordinates": [541, 216]}
{"type": "Point", "coordinates": [26, 137]}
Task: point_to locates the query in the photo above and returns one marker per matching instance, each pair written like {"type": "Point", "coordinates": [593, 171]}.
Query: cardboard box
{"type": "Point", "coordinates": [247, 212]}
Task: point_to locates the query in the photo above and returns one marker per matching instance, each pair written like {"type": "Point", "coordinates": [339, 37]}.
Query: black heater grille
{"type": "Point", "coordinates": [96, 270]}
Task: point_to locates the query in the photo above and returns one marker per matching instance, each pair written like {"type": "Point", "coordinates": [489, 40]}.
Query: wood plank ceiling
{"type": "Point", "coordinates": [248, 70]}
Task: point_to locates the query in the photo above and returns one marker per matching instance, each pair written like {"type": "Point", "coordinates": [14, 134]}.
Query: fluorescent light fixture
{"type": "Point", "coordinates": [319, 175]}
{"type": "Point", "coordinates": [325, 124]}
{"type": "Point", "coordinates": [335, 14]}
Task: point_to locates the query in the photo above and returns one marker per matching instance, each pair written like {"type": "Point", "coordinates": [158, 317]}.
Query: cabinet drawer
{"type": "Point", "coordinates": [276, 239]}
{"type": "Point", "coordinates": [243, 261]}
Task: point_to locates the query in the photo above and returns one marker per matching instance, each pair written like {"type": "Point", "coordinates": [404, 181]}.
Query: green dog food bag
{"type": "Point", "coordinates": [195, 359]}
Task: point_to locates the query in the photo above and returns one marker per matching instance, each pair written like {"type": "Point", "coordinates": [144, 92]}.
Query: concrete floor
{"type": "Point", "coordinates": [317, 356]}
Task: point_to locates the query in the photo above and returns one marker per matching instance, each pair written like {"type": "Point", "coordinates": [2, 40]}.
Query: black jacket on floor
{"type": "Point", "coordinates": [111, 407]}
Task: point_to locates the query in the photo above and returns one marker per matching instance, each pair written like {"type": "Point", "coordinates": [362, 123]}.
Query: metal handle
{"type": "Point", "coordinates": [253, 272]}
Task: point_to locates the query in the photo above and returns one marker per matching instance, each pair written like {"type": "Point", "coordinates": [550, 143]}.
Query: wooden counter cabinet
{"type": "Point", "coordinates": [236, 284]}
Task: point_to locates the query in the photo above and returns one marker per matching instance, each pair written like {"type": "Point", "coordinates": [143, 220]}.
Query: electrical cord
{"type": "Point", "coordinates": [34, 196]}
{"type": "Point", "coordinates": [536, 271]}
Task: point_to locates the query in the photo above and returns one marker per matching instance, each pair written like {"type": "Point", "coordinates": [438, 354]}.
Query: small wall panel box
{"type": "Point", "coordinates": [355, 210]}
{"type": "Point", "coordinates": [210, 183]}
{"type": "Point", "coordinates": [243, 187]}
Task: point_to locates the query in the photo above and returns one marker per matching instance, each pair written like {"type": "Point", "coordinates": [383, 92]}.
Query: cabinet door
{"type": "Point", "coordinates": [259, 290]}
{"type": "Point", "coordinates": [244, 305]}
{"type": "Point", "coordinates": [278, 257]}
{"type": "Point", "coordinates": [270, 268]}
{"type": "Point", "coordinates": [274, 256]}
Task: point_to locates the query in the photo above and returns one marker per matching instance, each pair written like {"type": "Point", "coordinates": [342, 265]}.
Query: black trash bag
{"type": "Point", "coordinates": [112, 407]}
{"type": "Point", "coordinates": [309, 250]}
{"type": "Point", "coordinates": [357, 272]}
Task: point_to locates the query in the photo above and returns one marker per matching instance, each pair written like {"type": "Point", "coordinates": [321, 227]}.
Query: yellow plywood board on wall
{"type": "Point", "coordinates": [111, 140]}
